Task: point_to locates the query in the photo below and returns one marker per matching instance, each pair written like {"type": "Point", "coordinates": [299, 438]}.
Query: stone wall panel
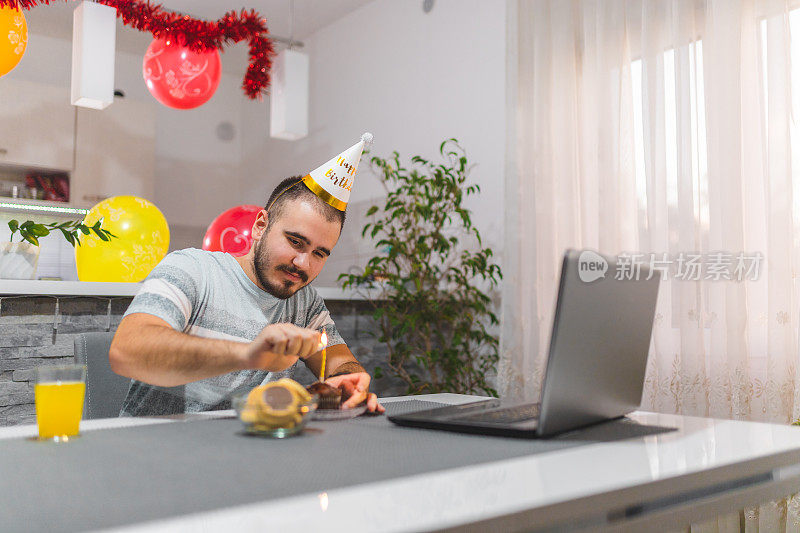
{"type": "Point", "coordinates": [28, 340]}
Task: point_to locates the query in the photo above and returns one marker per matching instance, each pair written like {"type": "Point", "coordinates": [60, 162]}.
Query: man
{"type": "Point", "coordinates": [212, 325]}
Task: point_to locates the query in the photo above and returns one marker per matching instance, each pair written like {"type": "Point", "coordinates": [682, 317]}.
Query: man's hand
{"type": "Point", "coordinates": [356, 386]}
{"type": "Point", "coordinates": [279, 346]}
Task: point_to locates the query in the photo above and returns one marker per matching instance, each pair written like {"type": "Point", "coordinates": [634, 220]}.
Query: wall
{"type": "Point", "coordinates": [413, 80]}
{"type": "Point", "coordinates": [196, 173]}
{"type": "Point", "coordinates": [33, 336]}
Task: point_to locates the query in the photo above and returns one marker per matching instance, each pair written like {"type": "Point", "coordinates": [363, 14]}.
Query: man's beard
{"type": "Point", "coordinates": [262, 265]}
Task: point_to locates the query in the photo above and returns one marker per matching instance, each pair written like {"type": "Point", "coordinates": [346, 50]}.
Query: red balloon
{"type": "Point", "coordinates": [230, 231]}
{"type": "Point", "coordinates": [178, 77]}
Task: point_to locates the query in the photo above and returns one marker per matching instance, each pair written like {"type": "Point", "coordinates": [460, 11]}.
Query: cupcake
{"type": "Point", "coordinates": [329, 397]}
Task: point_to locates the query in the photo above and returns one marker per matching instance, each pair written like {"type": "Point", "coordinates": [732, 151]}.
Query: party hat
{"type": "Point", "coordinates": [333, 180]}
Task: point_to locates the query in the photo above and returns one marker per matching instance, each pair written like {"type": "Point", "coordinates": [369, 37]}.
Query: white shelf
{"type": "Point", "coordinates": [27, 205]}
{"type": "Point", "coordinates": [335, 293]}
{"type": "Point", "coordinates": [24, 287]}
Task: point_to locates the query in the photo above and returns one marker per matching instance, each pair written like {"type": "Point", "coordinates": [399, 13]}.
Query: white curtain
{"type": "Point", "coordinates": [663, 127]}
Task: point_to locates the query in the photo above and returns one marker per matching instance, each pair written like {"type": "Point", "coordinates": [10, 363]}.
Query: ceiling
{"type": "Point", "coordinates": [309, 16]}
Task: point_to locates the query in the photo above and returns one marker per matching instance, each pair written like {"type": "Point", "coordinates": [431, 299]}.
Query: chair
{"type": "Point", "coordinates": [105, 390]}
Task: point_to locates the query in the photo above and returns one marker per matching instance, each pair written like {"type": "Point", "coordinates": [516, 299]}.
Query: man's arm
{"type": "Point", "coordinates": [336, 356]}
{"type": "Point", "coordinates": [343, 370]}
{"type": "Point", "coordinates": [148, 349]}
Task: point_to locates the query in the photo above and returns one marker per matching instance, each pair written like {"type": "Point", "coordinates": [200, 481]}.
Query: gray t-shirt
{"type": "Point", "coordinates": [207, 294]}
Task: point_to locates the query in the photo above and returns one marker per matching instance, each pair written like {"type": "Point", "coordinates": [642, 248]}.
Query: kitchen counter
{"type": "Point", "coordinates": [418, 480]}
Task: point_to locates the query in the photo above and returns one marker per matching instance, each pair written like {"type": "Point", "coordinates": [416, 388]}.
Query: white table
{"type": "Point", "coordinates": [658, 482]}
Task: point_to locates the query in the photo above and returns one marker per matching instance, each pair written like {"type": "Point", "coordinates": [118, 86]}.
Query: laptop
{"type": "Point", "coordinates": [596, 362]}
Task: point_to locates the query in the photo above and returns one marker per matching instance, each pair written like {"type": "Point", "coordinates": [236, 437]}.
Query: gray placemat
{"type": "Point", "coordinates": [115, 477]}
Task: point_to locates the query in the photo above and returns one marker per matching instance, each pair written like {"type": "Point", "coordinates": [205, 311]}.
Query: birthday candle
{"type": "Point", "coordinates": [324, 340]}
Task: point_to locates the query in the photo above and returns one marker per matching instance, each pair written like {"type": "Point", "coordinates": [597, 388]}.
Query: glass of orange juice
{"type": "Point", "coordinates": [59, 392]}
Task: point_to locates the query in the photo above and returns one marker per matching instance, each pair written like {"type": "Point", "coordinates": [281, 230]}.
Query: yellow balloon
{"type": "Point", "coordinates": [142, 241]}
{"type": "Point", "coordinates": [13, 38]}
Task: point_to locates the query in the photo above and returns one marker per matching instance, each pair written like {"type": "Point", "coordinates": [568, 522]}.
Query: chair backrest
{"type": "Point", "coordinates": [105, 390]}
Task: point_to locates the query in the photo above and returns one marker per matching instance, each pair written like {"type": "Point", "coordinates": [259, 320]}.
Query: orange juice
{"type": "Point", "coordinates": [59, 406]}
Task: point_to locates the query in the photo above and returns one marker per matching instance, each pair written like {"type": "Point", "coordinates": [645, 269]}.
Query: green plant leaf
{"type": "Point", "coordinates": [68, 236]}
{"type": "Point", "coordinates": [102, 236]}
{"type": "Point", "coordinates": [435, 313]}
{"type": "Point", "coordinates": [70, 230]}
{"type": "Point", "coordinates": [39, 230]}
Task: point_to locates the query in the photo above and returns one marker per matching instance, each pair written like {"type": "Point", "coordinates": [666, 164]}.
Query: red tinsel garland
{"type": "Point", "coordinates": [199, 35]}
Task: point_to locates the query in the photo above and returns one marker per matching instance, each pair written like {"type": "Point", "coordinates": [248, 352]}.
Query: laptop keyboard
{"type": "Point", "coordinates": [505, 415]}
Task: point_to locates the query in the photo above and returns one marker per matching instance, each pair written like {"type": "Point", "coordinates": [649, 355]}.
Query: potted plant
{"type": "Point", "coordinates": [430, 283]}
{"type": "Point", "coordinates": [18, 260]}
